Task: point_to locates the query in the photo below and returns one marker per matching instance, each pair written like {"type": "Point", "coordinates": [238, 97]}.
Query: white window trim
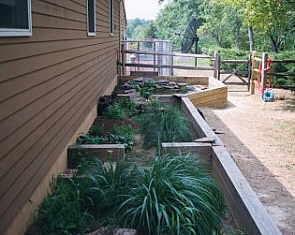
{"type": "Point", "coordinates": [10, 32]}
{"type": "Point", "coordinates": [111, 17]}
{"type": "Point", "coordinates": [91, 34]}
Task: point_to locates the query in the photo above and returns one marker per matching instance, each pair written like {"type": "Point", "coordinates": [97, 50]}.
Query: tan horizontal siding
{"type": "Point", "coordinates": [48, 84]}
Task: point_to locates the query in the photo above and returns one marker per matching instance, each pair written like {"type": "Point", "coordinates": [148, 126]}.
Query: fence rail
{"type": "Point", "coordinates": [143, 55]}
{"type": "Point", "coordinates": [135, 56]}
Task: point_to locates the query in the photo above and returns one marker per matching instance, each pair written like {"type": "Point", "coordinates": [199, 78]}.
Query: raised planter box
{"type": "Point", "coordinates": [214, 96]}
{"type": "Point", "coordinates": [104, 152]}
{"type": "Point", "coordinates": [248, 212]}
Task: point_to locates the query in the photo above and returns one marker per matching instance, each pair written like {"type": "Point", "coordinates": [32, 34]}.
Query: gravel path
{"type": "Point", "coordinates": [261, 139]}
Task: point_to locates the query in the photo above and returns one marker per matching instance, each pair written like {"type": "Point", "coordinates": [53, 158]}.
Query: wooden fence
{"type": "Point", "coordinates": [154, 64]}
{"type": "Point", "coordinates": [262, 75]}
{"type": "Point", "coordinates": [255, 72]}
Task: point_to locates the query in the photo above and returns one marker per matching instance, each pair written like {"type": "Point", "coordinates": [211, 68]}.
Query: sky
{"type": "Point", "coordinates": [144, 9]}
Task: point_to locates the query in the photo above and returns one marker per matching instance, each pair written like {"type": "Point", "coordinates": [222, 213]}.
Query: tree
{"type": "Point", "coordinates": [272, 17]}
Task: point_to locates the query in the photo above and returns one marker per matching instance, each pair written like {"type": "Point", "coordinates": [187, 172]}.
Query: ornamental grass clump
{"type": "Point", "coordinates": [164, 123]}
{"type": "Point", "coordinates": [175, 196]}
{"type": "Point", "coordinates": [91, 196]}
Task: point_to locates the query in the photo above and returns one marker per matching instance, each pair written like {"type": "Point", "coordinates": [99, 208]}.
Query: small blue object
{"type": "Point", "coordinates": [268, 96]}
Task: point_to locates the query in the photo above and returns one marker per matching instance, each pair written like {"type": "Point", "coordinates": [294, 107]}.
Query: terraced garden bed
{"type": "Point", "coordinates": [150, 162]}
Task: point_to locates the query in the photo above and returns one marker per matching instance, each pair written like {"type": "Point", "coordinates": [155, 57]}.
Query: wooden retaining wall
{"type": "Point", "coordinates": [215, 96]}
{"type": "Point", "coordinates": [248, 212]}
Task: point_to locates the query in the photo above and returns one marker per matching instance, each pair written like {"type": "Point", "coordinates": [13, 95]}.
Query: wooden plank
{"type": "Point", "coordinates": [30, 96]}
{"type": "Point", "coordinates": [19, 160]}
{"type": "Point", "coordinates": [59, 141]}
{"type": "Point", "coordinates": [201, 150]}
{"type": "Point", "coordinates": [13, 87]}
{"type": "Point", "coordinates": [36, 155]}
{"type": "Point", "coordinates": [166, 54]}
{"type": "Point", "coordinates": [104, 152]}
{"type": "Point", "coordinates": [31, 64]}
{"type": "Point", "coordinates": [167, 66]}
{"type": "Point", "coordinates": [14, 129]}
{"type": "Point", "coordinates": [234, 62]}
{"type": "Point", "coordinates": [190, 80]}
{"type": "Point", "coordinates": [144, 73]}
{"type": "Point", "coordinates": [19, 51]}
{"type": "Point", "coordinates": [200, 125]}
{"type": "Point", "coordinates": [249, 213]}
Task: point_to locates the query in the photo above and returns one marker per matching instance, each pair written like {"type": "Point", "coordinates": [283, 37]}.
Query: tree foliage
{"type": "Point", "coordinates": [226, 23]}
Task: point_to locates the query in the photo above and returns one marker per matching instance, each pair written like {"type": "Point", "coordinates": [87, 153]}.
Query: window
{"type": "Point", "coordinates": [111, 16]}
{"type": "Point", "coordinates": [15, 18]}
{"type": "Point", "coordinates": [91, 15]}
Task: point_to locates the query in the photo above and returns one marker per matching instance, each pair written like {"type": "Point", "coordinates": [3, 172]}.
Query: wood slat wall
{"type": "Point", "coordinates": [48, 84]}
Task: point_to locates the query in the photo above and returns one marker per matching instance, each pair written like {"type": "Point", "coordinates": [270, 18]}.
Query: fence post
{"type": "Point", "coordinates": [154, 63]}
{"type": "Point", "coordinates": [172, 64]}
{"type": "Point", "coordinates": [217, 63]}
{"type": "Point", "coordinates": [263, 72]}
{"type": "Point", "coordinates": [123, 58]}
{"type": "Point", "coordinates": [249, 70]}
{"type": "Point", "coordinates": [138, 56]}
{"type": "Point", "coordinates": [252, 85]}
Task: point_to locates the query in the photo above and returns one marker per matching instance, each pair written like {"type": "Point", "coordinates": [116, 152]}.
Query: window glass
{"type": "Point", "coordinates": [111, 16]}
{"type": "Point", "coordinates": [91, 16]}
{"type": "Point", "coordinates": [14, 14]}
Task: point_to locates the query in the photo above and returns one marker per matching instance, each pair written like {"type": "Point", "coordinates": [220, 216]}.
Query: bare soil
{"type": "Point", "coordinates": [261, 139]}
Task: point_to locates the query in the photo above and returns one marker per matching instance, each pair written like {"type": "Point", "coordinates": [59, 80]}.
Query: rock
{"type": "Point", "coordinates": [126, 86]}
{"type": "Point", "coordinates": [162, 82]}
{"type": "Point", "coordinates": [129, 91]}
{"type": "Point", "coordinates": [123, 231]}
{"type": "Point", "coordinates": [138, 80]}
{"type": "Point", "coordinates": [182, 84]}
{"type": "Point", "coordinates": [172, 83]}
{"type": "Point", "coordinates": [148, 80]}
{"type": "Point", "coordinates": [168, 87]}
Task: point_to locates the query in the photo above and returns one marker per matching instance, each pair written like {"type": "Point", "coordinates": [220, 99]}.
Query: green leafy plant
{"type": "Point", "coordinates": [145, 89]}
{"type": "Point", "coordinates": [129, 106]}
{"type": "Point", "coordinates": [164, 124]}
{"type": "Point", "coordinates": [105, 183]}
{"type": "Point", "coordinates": [175, 196]}
{"type": "Point", "coordinates": [119, 135]}
{"type": "Point", "coordinates": [122, 108]}
{"type": "Point", "coordinates": [95, 131]}
{"type": "Point", "coordinates": [62, 212]}
{"type": "Point", "coordinates": [90, 139]}
{"type": "Point", "coordinates": [123, 135]}
{"type": "Point", "coordinates": [115, 111]}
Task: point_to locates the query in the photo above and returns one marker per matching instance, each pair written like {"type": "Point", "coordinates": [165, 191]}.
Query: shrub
{"type": "Point", "coordinates": [122, 108]}
{"type": "Point", "coordinates": [119, 135]}
{"type": "Point", "coordinates": [90, 139]}
{"type": "Point", "coordinates": [146, 89]}
{"type": "Point", "coordinates": [164, 124]}
{"type": "Point", "coordinates": [93, 193]}
{"type": "Point", "coordinates": [115, 111]}
{"type": "Point", "coordinates": [122, 135]}
{"type": "Point", "coordinates": [175, 196]}
{"type": "Point", "coordinates": [62, 212]}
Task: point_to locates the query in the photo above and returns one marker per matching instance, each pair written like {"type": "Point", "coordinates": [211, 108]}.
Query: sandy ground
{"type": "Point", "coordinates": [261, 138]}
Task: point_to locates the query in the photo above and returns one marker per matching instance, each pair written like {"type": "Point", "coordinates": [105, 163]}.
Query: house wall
{"type": "Point", "coordinates": [49, 86]}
